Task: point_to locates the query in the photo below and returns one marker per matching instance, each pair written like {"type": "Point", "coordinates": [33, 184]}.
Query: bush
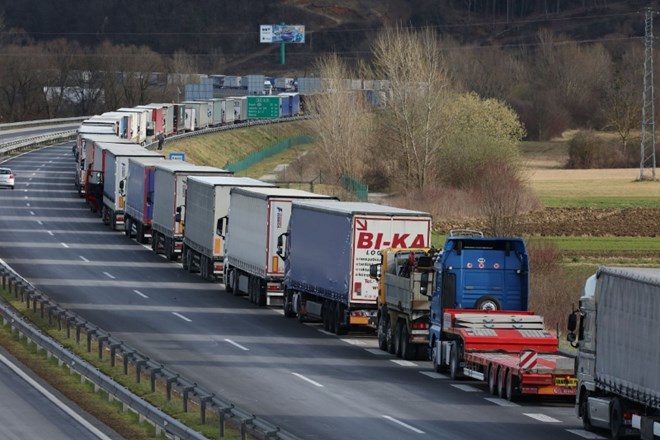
{"type": "Point", "coordinates": [587, 150]}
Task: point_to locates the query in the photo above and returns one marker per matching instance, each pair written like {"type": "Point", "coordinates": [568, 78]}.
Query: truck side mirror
{"type": "Point", "coordinates": [374, 271]}
{"type": "Point", "coordinates": [572, 322]}
{"type": "Point", "coordinates": [177, 218]}
{"type": "Point", "coordinates": [281, 252]}
{"type": "Point", "coordinates": [424, 284]}
{"type": "Point", "coordinates": [220, 226]}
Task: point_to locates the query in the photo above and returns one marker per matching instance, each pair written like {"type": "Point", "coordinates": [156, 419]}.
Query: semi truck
{"type": "Point", "coordinates": [114, 180]}
{"type": "Point", "coordinates": [139, 210]}
{"type": "Point", "coordinates": [207, 213]}
{"type": "Point", "coordinates": [252, 266]}
{"type": "Point", "coordinates": [84, 155]}
{"type": "Point", "coordinates": [328, 275]}
{"type": "Point", "coordinates": [139, 120]}
{"type": "Point", "coordinates": [405, 277]}
{"type": "Point", "coordinates": [618, 361]}
{"type": "Point", "coordinates": [169, 201]}
{"type": "Point", "coordinates": [480, 326]}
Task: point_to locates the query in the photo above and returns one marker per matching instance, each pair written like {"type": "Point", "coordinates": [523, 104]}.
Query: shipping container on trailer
{"type": "Point", "coordinates": [257, 217]}
{"type": "Point", "coordinates": [228, 111]}
{"type": "Point", "coordinates": [240, 108]}
{"type": "Point", "coordinates": [328, 275]}
{"type": "Point", "coordinates": [125, 124]}
{"type": "Point", "coordinates": [171, 178]}
{"type": "Point", "coordinates": [201, 113]}
{"type": "Point", "coordinates": [115, 178]}
{"type": "Point", "coordinates": [168, 117]}
{"type": "Point", "coordinates": [140, 197]}
{"type": "Point", "coordinates": [190, 116]}
{"type": "Point", "coordinates": [207, 213]}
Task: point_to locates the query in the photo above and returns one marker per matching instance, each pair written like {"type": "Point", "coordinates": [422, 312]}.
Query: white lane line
{"type": "Point", "coordinates": [358, 342]}
{"type": "Point", "coordinates": [57, 402]}
{"type": "Point", "coordinates": [179, 315]}
{"type": "Point", "coordinates": [27, 204]}
{"type": "Point", "coordinates": [542, 418]}
{"type": "Point", "coordinates": [50, 233]}
{"type": "Point", "coordinates": [31, 212]}
{"type": "Point", "coordinates": [25, 190]}
{"type": "Point", "coordinates": [466, 388]}
{"type": "Point", "coordinates": [237, 345]}
{"type": "Point", "coordinates": [313, 382]}
{"type": "Point", "coordinates": [586, 434]}
{"type": "Point", "coordinates": [405, 425]}
{"type": "Point", "coordinates": [27, 184]}
{"type": "Point", "coordinates": [140, 293]}
{"type": "Point", "coordinates": [434, 375]}
{"type": "Point", "coordinates": [109, 275]}
{"type": "Point", "coordinates": [26, 197]}
{"type": "Point", "coordinates": [325, 332]}
{"type": "Point", "coordinates": [65, 245]}
{"type": "Point", "coordinates": [403, 363]}
{"type": "Point", "coordinates": [500, 402]}
{"type": "Point", "coordinates": [39, 221]}
{"type": "Point", "coordinates": [84, 259]}
{"type": "Point", "coordinates": [376, 351]}
{"type": "Point", "coordinates": [34, 174]}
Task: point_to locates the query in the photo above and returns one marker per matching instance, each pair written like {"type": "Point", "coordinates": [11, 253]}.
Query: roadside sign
{"type": "Point", "coordinates": [263, 107]}
{"type": "Point", "coordinates": [177, 156]}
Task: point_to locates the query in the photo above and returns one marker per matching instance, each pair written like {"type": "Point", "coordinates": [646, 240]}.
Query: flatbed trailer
{"type": "Point", "coordinates": [510, 350]}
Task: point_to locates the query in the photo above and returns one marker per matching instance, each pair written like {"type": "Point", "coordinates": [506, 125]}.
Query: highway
{"type": "Point", "coordinates": [312, 383]}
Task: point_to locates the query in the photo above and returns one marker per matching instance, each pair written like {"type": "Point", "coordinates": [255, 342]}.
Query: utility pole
{"type": "Point", "coordinates": [647, 154]}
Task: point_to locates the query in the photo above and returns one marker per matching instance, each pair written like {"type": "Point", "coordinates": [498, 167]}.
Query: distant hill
{"type": "Point", "coordinates": [224, 35]}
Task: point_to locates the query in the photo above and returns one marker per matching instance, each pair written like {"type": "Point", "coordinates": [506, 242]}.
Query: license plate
{"type": "Point", "coordinates": [564, 382]}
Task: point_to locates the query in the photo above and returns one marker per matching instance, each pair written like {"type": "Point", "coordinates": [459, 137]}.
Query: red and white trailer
{"type": "Point", "coordinates": [510, 350]}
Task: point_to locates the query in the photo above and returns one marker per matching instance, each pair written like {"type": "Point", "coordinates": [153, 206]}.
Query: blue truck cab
{"type": "Point", "coordinates": [478, 273]}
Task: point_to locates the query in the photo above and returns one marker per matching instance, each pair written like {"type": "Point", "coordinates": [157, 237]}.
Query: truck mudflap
{"type": "Point", "coordinates": [274, 294]}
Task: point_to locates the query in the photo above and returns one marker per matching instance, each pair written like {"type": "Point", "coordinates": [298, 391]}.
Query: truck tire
{"type": "Point", "coordinates": [261, 294]}
{"type": "Point", "coordinates": [493, 373]}
{"type": "Point", "coordinates": [339, 327]}
{"type": "Point", "coordinates": [488, 303]}
{"type": "Point", "coordinates": [584, 411]}
{"type": "Point", "coordinates": [382, 336]}
{"type": "Point", "coordinates": [453, 362]}
{"type": "Point", "coordinates": [229, 281]}
{"type": "Point", "coordinates": [617, 427]}
{"type": "Point", "coordinates": [154, 242]}
{"type": "Point", "coordinates": [139, 233]}
{"type": "Point", "coordinates": [288, 304]}
{"type": "Point", "coordinates": [422, 352]}
{"type": "Point", "coordinates": [397, 339]}
{"type": "Point", "coordinates": [127, 227]}
{"type": "Point", "coordinates": [235, 289]}
{"type": "Point", "coordinates": [185, 258]}
{"type": "Point", "coordinates": [299, 314]}
{"type": "Point", "coordinates": [512, 382]}
{"type": "Point", "coordinates": [437, 366]}
{"type": "Point", "coordinates": [408, 350]}
{"type": "Point", "coordinates": [501, 383]}
{"type": "Point", "coordinates": [389, 336]}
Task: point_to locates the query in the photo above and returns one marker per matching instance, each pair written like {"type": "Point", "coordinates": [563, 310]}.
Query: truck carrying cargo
{"type": "Point", "coordinates": [84, 144]}
{"type": "Point", "coordinates": [201, 113]}
{"type": "Point", "coordinates": [114, 180]}
{"type": "Point", "coordinates": [140, 197]}
{"type": "Point", "coordinates": [139, 121]}
{"type": "Point", "coordinates": [207, 213]}
{"type": "Point", "coordinates": [169, 201]}
{"type": "Point", "coordinates": [618, 364]}
{"type": "Point", "coordinates": [480, 325]}
{"type": "Point", "coordinates": [252, 266]}
{"type": "Point", "coordinates": [328, 275]}
{"type": "Point", "coordinates": [168, 117]}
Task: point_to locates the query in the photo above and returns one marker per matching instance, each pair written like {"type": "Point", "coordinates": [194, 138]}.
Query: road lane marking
{"type": "Point", "coordinates": [376, 351]}
{"type": "Point", "coordinates": [405, 425]}
{"type": "Point", "coordinates": [26, 196]}
{"type": "Point", "coordinates": [179, 315]}
{"type": "Point", "coordinates": [325, 332]}
{"type": "Point", "coordinates": [466, 388]}
{"type": "Point", "coordinates": [237, 345]}
{"type": "Point", "coordinates": [403, 363]}
{"type": "Point", "coordinates": [586, 434]}
{"type": "Point", "coordinates": [31, 212]}
{"type": "Point", "coordinates": [65, 245]}
{"type": "Point", "coordinates": [84, 259]}
{"type": "Point", "coordinates": [313, 382]}
{"type": "Point", "coordinates": [140, 293]}
{"type": "Point", "coordinates": [50, 233]}
{"type": "Point", "coordinates": [39, 221]}
{"type": "Point", "coordinates": [27, 204]}
{"type": "Point", "coordinates": [109, 275]}
{"type": "Point", "coordinates": [500, 402]}
{"type": "Point", "coordinates": [358, 342]}
{"type": "Point", "coordinates": [434, 375]}
{"type": "Point", "coordinates": [542, 418]}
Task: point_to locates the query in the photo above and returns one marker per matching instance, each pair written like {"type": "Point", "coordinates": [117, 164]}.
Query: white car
{"type": "Point", "coordinates": [6, 178]}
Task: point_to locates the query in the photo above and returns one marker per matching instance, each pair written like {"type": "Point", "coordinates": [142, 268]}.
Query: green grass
{"type": "Point", "coordinates": [600, 202]}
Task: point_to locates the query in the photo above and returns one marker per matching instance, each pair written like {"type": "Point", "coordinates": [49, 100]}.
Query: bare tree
{"type": "Point", "coordinates": [410, 130]}
{"type": "Point", "coordinates": [343, 125]}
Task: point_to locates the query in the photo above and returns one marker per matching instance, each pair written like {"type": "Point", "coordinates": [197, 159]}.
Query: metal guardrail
{"type": "Point", "coordinates": [41, 122]}
{"type": "Point", "coordinates": [173, 382]}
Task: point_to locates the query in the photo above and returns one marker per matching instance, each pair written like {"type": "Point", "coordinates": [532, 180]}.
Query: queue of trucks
{"type": "Point", "coordinates": [464, 307]}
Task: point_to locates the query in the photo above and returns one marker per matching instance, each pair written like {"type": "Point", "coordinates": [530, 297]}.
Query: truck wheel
{"type": "Point", "coordinates": [127, 227]}
{"type": "Point", "coordinates": [288, 304]}
{"type": "Point", "coordinates": [492, 379]}
{"type": "Point", "coordinates": [389, 336]}
{"type": "Point", "coordinates": [185, 258]}
{"type": "Point", "coordinates": [382, 336]}
{"type": "Point", "coordinates": [407, 349]}
{"type": "Point", "coordinates": [453, 362]}
{"type": "Point", "coordinates": [488, 303]}
{"type": "Point", "coordinates": [437, 366]}
{"type": "Point", "coordinates": [617, 427]}
{"type": "Point", "coordinates": [139, 234]}
{"type": "Point", "coordinates": [260, 291]}
{"type": "Point", "coordinates": [154, 242]}
{"type": "Point", "coordinates": [236, 274]}
{"type": "Point", "coordinates": [511, 387]}
{"type": "Point", "coordinates": [584, 411]}
{"type": "Point", "coordinates": [299, 313]}
{"type": "Point", "coordinates": [501, 384]}
{"type": "Point", "coordinates": [339, 327]}
{"type": "Point", "coordinates": [228, 281]}
{"type": "Point", "coordinates": [397, 338]}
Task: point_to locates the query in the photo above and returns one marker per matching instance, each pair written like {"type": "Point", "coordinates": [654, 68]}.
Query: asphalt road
{"type": "Point", "coordinates": [313, 384]}
{"type": "Point", "coordinates": [31, 408]}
